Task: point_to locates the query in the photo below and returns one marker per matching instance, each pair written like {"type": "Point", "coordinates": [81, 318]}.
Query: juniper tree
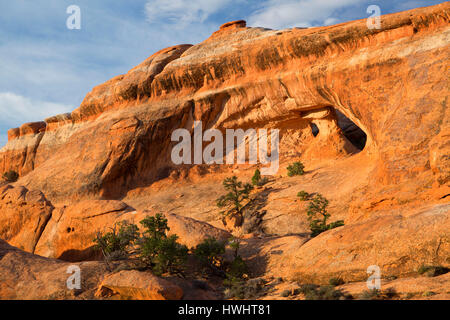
{"type": "Point", "coordinates": [318, 216]}
{"type": "Point", "coordinates": [237, 193]}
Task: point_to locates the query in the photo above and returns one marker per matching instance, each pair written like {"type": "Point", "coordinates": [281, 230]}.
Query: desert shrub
{"type": "Point", "coordinates": [152, 249]}
{"type": "Point", "coordinates": [155, 227]}
{"type": "Point", "coordinates": [234, 244]}
{"type": "Point", "coordinates": [10, 176]}
{"type": "Point", "coordinates": [256, 177]}
{"type": "Point", "coordinates": [432, 271]}
{"type": "Point", "coordinates": [336, 282]}
{"type": "Point", "coordinates": [241, 289]}
{"type": "Point", "coordinates": [315, 292]}
{"type": "Point", "coordinates": [318, 216]}
{"type": "Point", "coordinates": [428, 293]}
{"type": "Point", "coordinates": [295, 169]}
{"type": "Point", "coordinates": [376, 294]}
{"type": "Point", "coordinates": [158, 251]}
{"type": "Point", "coordinates": [237, 268]}
{"type": "Point", "coordinates": [236, 273]}
{"type": "Point", "coordinates": [237, 193]}
{"type": "Point", "coordinates": [409, 295]}
{"type": "Point", "coordinates": [257, 180]}
{"type": "Point", "coordinates": [210, 252]}
{"type": "Point", "coordinates": [286, 293]}
{"type": "Point", "coordinates": [303, 195]}
{"type": "Point", "coordinates": [116, 244]}
{"type": "Point", "coordinates": [290, 292]}
{"type": "Point", "coordinates": [235, 288]}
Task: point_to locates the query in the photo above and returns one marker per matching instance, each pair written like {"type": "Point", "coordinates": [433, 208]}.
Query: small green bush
{"type": "Point", "coordinates": [318, 216]}
{"type": "Point", "coordinates": [376, 294]}
{"type": "Point", "coordinates": [303, 195]}
{"type": "Point", "coordinates": [238, 268]}
{"type": "Point", "coordinates": [210, 252]}
{"type": "Point", "coordinates": [286, 293]}
{"type": "Point", "coordinates": [432, 271]}
{"type": "Point", "coordinates": [315, 292]}
{"type": "Point", "coordinates": [153, 248]}
{"type": "Point", "coordinates": [237, 193]}
{"type": "Point", "coordinates": [428, 293]}
{"type": "Point", "coordinates": [256, 177]}
{"type": "Point", "coordinates": [116, 244]}
{"type": "Point", "coordinates": [241, 289]}
{"type": "Point", "coordinates": [158, 251]}
{"type": "Point", "coordinates": [257, 180]}
{"type": "Point", "coordinates": [296, 169]}
{"type": "Point", "coordinates": [236, 273]}
{"type": "Point", "coordinates": [336, 282]}
{"type": "Point", "coordinates": [10, 176]}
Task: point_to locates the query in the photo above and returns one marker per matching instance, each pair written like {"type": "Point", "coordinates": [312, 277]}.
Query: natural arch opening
{"type": "Point", "coordinates": [314, 129]}
{"type": "Point", "coordinates": [351, 131]}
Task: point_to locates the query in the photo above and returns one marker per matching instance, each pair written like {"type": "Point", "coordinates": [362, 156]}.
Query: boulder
{"type": "Point", "coordinates": [70, 233]}
{"type": "Point", "coordinates": [398, 244]}
{"type": "Point", "coordinates": [24, 215]}
{"type": "Point", "coordinates": [136, 285]}
{"type": "Point", "coordinates": [25, 276]}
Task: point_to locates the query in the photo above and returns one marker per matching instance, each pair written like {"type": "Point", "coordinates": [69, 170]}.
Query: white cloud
{"type": "Point", "coordinates": [18, 109]}
{"type": "Point", "coordinates": [279, 14]}
{"type": "Point", "coordinates": [182, 12]}
{"type": "Point", "coordinates": [330, 21]}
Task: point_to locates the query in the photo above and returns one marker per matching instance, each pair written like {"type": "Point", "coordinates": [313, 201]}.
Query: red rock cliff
{"type": "Point", "coordinates": [392, 83]}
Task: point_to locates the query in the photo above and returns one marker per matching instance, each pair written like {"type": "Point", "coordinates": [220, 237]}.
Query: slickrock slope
{"type": "Point", "coordinates": [365, 110]}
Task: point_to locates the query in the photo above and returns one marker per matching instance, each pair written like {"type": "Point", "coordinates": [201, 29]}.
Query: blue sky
{"type": "Point", "coordinates": [47, 69]}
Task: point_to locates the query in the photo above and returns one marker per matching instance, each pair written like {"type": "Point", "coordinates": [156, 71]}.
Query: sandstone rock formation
{"type": "Point", "coordinates": [23, 216]}
{"type": "Point", "coordinates": [419, 288]}
{"type": "Point", "coordinates": [69, 233]}
{"type": "Point", "coordinates": [139, 286]}
{"type": "Point", "coordinates": [259, 78]}
{"type": "Point", "coordinates": [27, 276]}
{"type": "Point", "coordinates": [398, 245]}
{"type": "Point", "coordinates": [365, 110]}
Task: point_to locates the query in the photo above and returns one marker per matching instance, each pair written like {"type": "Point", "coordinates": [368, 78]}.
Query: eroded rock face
{"type": "Point", "coordinates": [70, 233]}
{"type": "Point", "coordinates": [256, 78]}
{"type": "Point", "coordinates": [440, 156]}
{"type": "Point", "coordinates": [23, 216]}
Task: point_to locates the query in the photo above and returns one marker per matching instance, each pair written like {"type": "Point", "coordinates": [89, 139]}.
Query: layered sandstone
{"type": "Point", "coordinates": [252, 77]}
